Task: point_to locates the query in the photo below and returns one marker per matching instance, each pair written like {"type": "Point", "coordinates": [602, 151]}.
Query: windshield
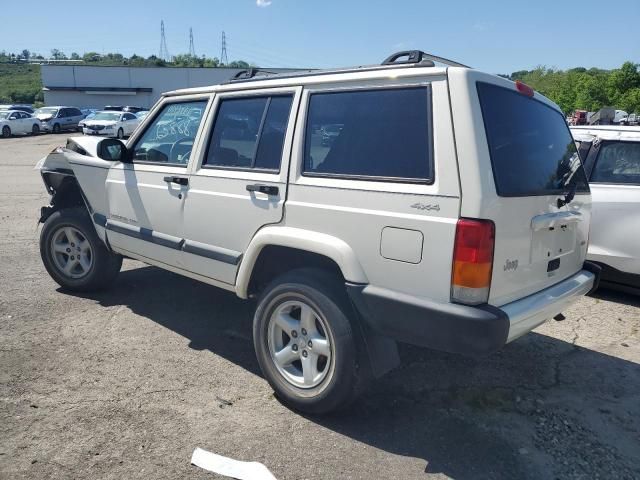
{"type": "Point", "coordinates": [4, 114]}
{"type": "Point", "coordinates": [114, 117]}
{"type": "Point", "coordinates": [532, 151]}
{"type": "Point", "coordinates": [47, 111]}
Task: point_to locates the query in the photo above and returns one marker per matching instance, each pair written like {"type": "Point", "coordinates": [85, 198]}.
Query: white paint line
{"type": "Point", "coordinates": [230, 467]}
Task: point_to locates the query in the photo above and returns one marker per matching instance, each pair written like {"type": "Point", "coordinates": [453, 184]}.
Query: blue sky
{"type": "Point", "coordinates": [495, 36]}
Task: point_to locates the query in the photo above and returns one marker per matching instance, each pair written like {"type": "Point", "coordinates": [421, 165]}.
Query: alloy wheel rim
{"type": "Point", "coordinates": [300, 344]}
{"type": "Point", "coordinates": [71, 252]}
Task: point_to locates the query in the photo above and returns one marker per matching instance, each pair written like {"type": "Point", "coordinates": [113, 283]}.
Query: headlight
{"type": "Point", "coordinates": [109, 127]}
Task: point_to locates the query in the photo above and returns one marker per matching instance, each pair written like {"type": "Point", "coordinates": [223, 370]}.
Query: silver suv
{"type": "Point", "coordinates": [56, 119]}
{"type": "Point", "coordinates": [438, 206]}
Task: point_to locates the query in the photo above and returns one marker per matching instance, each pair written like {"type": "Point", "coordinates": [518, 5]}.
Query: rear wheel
{"type": "Point", "coordinates": [35, 130]}
{"type": "Point", "coordinates": [56, 128]}
{"type": "Point", "coordinates": [73, 254]}
{"type": "Point", "coordinates": [304, 341]}
{"type": "Point", "coordinates": [6, 131]}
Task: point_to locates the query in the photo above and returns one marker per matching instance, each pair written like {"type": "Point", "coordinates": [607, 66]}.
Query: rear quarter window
{"type": "Point", "coordinates": [381, 134]}
{"type": "Point", "coordinates": [531, 148]}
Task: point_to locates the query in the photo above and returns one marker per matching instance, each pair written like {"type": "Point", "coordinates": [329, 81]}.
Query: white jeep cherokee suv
{"type": "Point", "coordinates": [450, 211]}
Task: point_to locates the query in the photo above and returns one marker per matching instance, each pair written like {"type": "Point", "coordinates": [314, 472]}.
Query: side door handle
{"type": "Point", "coordinates": [177, 180]}
{"type": "Point", "coordinates": [267, 189]}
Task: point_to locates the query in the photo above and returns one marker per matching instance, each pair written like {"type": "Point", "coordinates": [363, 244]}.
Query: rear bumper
{"type": "Point", "coordinates": [474, 331]}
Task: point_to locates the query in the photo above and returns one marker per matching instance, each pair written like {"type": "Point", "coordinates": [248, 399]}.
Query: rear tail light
{"type": "Point", "coordinates": [472, 261]}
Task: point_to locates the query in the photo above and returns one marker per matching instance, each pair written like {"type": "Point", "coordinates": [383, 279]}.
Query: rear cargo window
{"type": "Point", "coordinates": [532, 151]}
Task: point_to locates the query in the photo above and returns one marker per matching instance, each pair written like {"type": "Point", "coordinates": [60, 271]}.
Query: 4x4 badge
{"type": "Point", "coordinates": [426, 206]}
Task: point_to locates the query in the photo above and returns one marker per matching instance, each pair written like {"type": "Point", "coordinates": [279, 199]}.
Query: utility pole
{"type": "Point", "coordinates": [164, 52]}
{"type": "Point", "coordinates": [223, 52]}
{"type": "Point", "coordinates": [192, 49]}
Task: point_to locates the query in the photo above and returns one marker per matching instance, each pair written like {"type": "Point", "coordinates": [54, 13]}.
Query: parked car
{"type": "Point", "coordinates": [56, 119]}
{"type": "Point", "coordinates": [142, 114]}
{"type": "Point", "coordinates": [452, 212]}
{"type": "Point", "coordinates": [612, 161]}
{"type": "Point", "coordinates": [16, 121]}
{"type": "Point", "coordinates": [620, 117]}
{"type": "Point", "coordinates": [82, 123]}
{"type": "Point", "coordinates": [111, 124]}
{"type": "Point", "coordinates": [19, 107]}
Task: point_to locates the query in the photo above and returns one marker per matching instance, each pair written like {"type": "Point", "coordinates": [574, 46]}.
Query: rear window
{"type": "Point", "coordinates": [531, 148]}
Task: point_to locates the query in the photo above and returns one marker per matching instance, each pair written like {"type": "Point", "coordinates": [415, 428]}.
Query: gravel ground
{"type": "Point", "coordinates": [126, 383]}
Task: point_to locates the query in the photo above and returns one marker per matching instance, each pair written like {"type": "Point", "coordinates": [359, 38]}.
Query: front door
{"type": "Point", "coordinates": [146, 196]}
{"type": "Point", "coordinates": [239, 182]}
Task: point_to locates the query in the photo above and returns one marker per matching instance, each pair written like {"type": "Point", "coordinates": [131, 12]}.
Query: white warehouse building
{"type": "Point", "coordinates": [96, 86]}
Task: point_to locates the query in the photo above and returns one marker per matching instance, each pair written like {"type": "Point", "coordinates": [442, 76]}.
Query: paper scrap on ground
{"type": "Point", "coordinates": [230, 467]}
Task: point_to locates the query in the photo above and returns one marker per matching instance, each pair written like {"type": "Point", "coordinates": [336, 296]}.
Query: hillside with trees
{"type": "Point", "coordinates": [582, 89]}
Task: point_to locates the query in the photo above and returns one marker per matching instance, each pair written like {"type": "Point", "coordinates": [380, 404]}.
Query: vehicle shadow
{"type": "Point", "coordinates": [455, 413]}
{"type": "Point", "coordinates": [631, 298]}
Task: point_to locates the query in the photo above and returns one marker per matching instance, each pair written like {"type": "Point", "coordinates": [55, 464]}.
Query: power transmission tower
{"type": "Point", "coordinates": [223, 52]}
{"type": "Point", "coordinates": [164, 52]}
{"type": "Point", "coordinates": [192, 49]}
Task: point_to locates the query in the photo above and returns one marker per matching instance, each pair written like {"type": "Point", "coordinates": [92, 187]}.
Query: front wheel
{"type": "Point", "coordinates": [56, 128]}
{"type": "Point", "coordinates": [120, 133]}
{"type": "Point", "coordinates": [35, 130]}
{"type": "Point", "coordinates": [304, 341]}
{"type": "Point", "coordinates": [6, 131]}
{"type": "Point", "coordinates": [73, 254]}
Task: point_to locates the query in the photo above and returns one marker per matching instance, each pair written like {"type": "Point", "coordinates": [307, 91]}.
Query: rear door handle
{"type": "Point", "coordinates": [177, 180]}
{"type": "Point", "coordinates": [267, 189]}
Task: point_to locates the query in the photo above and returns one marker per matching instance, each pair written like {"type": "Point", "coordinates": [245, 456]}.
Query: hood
{"type": "Point", "coordinates": [104, 123]}
{"type": "Point", "coordinates": [44, 117]}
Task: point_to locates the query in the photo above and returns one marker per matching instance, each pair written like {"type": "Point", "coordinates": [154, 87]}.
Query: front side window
{"type": "Point", "coordinates": [617, 162]}
{"type": "Point", "coordinates": [249, 133]}
{"type": "Point", "coordinates": [170, 137]}
{"type": "Point", "coordinates": [381, 133]}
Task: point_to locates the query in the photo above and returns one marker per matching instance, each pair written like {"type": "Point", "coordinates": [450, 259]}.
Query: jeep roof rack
{"type": "Point", "coordinates": [251, 72]}
{"type": "Point", "coordinates": [419, 57]}
{"type": "Point", "coordinates": [414, 58]}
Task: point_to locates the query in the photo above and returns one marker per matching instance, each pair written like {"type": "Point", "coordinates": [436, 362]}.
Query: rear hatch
{"type": "Point", "coordinates": [541, 202]}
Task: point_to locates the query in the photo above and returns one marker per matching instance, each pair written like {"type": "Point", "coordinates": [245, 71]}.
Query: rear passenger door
{"type": "Point", "coordinates": [239, 183]}
{"type": "Point", "coordinates": [374, 165]}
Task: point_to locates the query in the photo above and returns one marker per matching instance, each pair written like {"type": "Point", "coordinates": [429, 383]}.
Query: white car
{"type": "Point", "coordinates": [111, 124]}
{"type": "Point", "coordinates": [451, 211]}
{"type": "Point", "coordinates": [612, 161]}
{"type": "Point", "coordinates": [13, 122]}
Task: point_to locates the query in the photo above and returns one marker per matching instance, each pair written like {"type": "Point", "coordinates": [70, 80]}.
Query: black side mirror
{"type": "Point", "coordinates": [113, 150]}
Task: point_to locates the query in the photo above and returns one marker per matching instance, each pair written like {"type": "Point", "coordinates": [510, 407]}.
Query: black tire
{"type": "Point", "coordinates": [56, 128]}
{"type": "Point", "coordinates": [35, 130]}
{"type": "Point", "coordinates": [6, 131]}
{"type": "Point", "coordinates": [105, 265]}
{"type": "Point", "coordinates": [120, 133]}
{"type": "Point", "coordinates": [327, 296]}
